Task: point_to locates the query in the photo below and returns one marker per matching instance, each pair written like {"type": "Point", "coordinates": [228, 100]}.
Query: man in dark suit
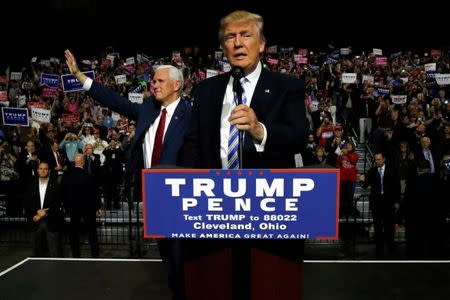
{"type": "Point", "coordinates": [161, 123]}
{"type": "Point", "coordinates": [44, 213]}
{"type": "Point", "coordinates": [426, 152]}
{"type": "Point", "coordinates": [81, 201]}
{"type": "Point", "coordinates": [385, 193]}
{"type": "Point", "coordinates": [274, 124]}
{"type": "Point", "coordinates": [92, 162]}
{"type": "Point", "coordinates": [57, 160]}
{"type": "Point", "coordinates": [424, 209]}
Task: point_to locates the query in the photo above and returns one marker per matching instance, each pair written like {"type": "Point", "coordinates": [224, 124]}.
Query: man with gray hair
{"type": "Point", "coordinates": [161, 123]}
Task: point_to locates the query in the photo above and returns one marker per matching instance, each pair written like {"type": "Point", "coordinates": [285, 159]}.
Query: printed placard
{"type": "Point", "coordinates": [136, 97]}
{"type": "Point", "coordinates": [241, 204]}
{"type": "Point", "coordinates": [71, 84]}
{"type": "Point", "coordinates": [381, 60]}
{"type": "Point", "coordinates": [377, 51]}
{"type": "Point", "coordinates": [442, 79]}
{"type": "Point", "coordinates": [345, 51]}
{"type": "Point", "coordinates": [430, 67]}
{"type": "Point", "coordinates": [272, 61]}
{"type": "Point", "coordinates": [348, 77]}
{"type": "Point", "coordinates": [49, 92]}
{"type": "Point", "coordinates": [129, 61]}
{"type": "Point", "coordinates": [50, 80]}
{"type": "Point", "coordinates": [211, 73]}
{"type": "Point", "coordinates": [399, 99]}
{"type": "Point", "coordinates": [41, 114]}
{"type": "Point", "coordinates": [70, 117]}
{"type": "Point", "coordinates": [15, 116]}
{"type": "Point", "coordinates": [120, 78]}
{"type": "Point", "coordinates": [436, 52]}
{"type": "Point", "coordinates": [15, 76]}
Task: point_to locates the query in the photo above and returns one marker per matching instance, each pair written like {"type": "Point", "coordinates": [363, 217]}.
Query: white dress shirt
{"type": "Point", "coordinates": [42, 189]}
{"type": "Point", "coordinates": [227, 107]}
{"type": "Point", "coordinates": [149, 138]}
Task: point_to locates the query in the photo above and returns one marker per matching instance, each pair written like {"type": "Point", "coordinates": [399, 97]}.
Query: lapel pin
{"type": "Point", "coordinates": [267, 91]}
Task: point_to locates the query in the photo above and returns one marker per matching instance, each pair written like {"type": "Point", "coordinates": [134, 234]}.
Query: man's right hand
{"type": "Point", "coordinates": [73, 67]}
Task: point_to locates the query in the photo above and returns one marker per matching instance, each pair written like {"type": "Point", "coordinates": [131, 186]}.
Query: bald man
{"type": "Point", "coordinates": [82, 201]}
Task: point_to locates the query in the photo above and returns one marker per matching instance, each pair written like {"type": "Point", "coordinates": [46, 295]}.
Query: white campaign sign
{"type": "Point", "coordinates": [211, 73]}
{"type": "Point", "coordinates": [398, 99]}
{"type": "Point", "coordinates": [430, 67]}
{"type": "Point", "coordinates": [348, 77]}
{"type": "Point", "coordinates": [377, 51]}
{"type": "Point", "coordinates": [41, 114]}
{"type": "Point", "coordinates": [442, 79]}
{"type": "Point", "coordinates": [136, 97]}
{"type": "Point", "coordinates": [120, 78]}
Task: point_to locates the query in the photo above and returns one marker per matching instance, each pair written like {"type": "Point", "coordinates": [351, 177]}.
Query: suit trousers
{"type": "Point", "coordinates": [43, 240]}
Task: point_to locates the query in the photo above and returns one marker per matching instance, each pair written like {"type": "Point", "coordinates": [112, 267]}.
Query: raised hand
{"type": "Point", "coordinates": [73, 67]}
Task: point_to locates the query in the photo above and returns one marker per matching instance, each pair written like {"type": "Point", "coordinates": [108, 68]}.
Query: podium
{"type": "Point", "coordinates": [243, 271]}
{"type": "Point", "coordinates": [242, 231]}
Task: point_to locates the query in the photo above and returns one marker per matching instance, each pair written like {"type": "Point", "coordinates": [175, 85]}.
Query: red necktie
{"type": "Point", "coordinates": [58, 158]}
{"type": "Point", "coordinates": [157, 146]}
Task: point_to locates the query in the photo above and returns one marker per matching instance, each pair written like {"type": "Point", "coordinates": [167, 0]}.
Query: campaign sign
{"type": "Point", "coordinates": [241, 204]}
{"type": "Point", "coordinates": [71, 84]}
{"type": "Point", "coordinates": [15, 116]}
{"type": "Point", "coordinates": [50, 80]}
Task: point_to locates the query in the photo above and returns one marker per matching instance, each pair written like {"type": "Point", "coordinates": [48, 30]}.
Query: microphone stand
{"type": "Point", "coordinates": [237, 88]}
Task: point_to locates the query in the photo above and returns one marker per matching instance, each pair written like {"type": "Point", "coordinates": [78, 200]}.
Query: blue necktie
{"type": "Point", "coordinates": [380, 171]}
{"type": "Point", "coordinates": [233, 140]}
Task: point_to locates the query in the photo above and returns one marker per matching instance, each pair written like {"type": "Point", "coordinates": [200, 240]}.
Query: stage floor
{"type": "Point", "coordinates": [111, 279]}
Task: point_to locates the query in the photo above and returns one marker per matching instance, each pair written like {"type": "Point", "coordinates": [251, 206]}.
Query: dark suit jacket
{"type": "Point", "coordinates": [80, 192]}
{"type": "Point", "coordinates": [436, 159]}
{"type": "Point", "coordinates": [49, 157]}
{"type": "Point", "coordinates": [95, 165]}
{"type": "Point", "coordinates": [145, 114]}
{"type": "Point", "coordinates": [391, 187]}
{"type": "Point", "coordinates": [278, 102]}
{"type": "Point", "coordinates": [52, 201]}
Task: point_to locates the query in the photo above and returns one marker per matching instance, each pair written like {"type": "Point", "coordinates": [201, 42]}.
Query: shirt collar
{"type": "Point", "coordinates": [254, 76]}
{"type": "Point", "coordinates": [170, 109]}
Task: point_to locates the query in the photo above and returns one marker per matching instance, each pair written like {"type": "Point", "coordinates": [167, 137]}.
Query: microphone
{"type": "Point", "coordinates": [237, 73]}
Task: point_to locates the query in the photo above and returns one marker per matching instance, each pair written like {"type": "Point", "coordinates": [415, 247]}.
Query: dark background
{"type": "Point", "coordinates": [45, 28]}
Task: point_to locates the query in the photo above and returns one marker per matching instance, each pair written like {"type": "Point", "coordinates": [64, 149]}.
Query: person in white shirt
{"type": "Point", "coordinates": [44, 213]}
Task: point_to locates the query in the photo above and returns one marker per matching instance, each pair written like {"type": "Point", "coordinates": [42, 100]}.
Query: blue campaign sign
{"type": "Point", "coordinates": [241, 204]}
{"type": "Point", "coordinates": [71, 84]}
{"type": "Point", "coordinates": [50, 80]}
{"type": "Point", "coordinates": [15, 116]}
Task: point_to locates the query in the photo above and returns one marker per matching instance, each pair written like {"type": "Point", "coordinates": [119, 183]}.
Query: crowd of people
{"type": "Point", "coordinates": [404, 130]}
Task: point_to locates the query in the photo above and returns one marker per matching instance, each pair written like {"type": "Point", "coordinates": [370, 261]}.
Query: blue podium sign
{"type": "Point", "coordinates": [241, 204]}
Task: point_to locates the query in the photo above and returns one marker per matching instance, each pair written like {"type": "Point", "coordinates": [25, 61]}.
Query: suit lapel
{"type": "Point", "coordinates": [174, 122]}
{"type": "Point", "coordinates": [261, 95]}
{"type": "Point", "coordinates": [49, 186]}
{"type": "Point", "coordinates": [36, 197]}
{"type": "Point", "coordinates": [152, 109]}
